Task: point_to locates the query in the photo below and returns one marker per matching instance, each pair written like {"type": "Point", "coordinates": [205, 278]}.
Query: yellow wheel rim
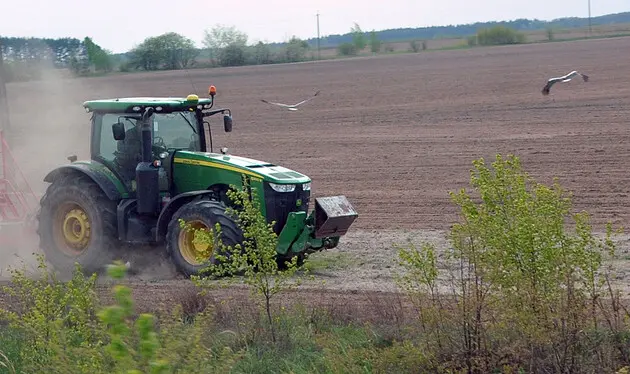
{"type": "Point", "coordinates": [191, 245]}
{"type": "Point", "coordinates": [72, 229]}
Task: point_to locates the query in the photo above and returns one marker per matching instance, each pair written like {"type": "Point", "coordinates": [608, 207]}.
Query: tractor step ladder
{"type": "Point", "coordinates": [17, 200]}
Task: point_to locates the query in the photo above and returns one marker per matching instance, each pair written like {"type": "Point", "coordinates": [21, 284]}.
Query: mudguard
{"type": "Point", "coordinates": [167, 213]}
{"type": "Point", "coordinates": [101, 175]}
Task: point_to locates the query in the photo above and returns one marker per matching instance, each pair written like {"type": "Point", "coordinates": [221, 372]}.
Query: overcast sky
{"type": "Point", "coordinates": [118, 25]}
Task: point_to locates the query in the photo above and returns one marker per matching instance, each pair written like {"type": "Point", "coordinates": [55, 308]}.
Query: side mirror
{"type": "Point", "coordinates": [118, 130]}
{"type": "Point", "coordinates": [227, 123]}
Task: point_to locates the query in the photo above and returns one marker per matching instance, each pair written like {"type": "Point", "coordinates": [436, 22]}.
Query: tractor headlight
{"type": "Point", "coordinates": [282, 187]}
{"type": "Point", "coordinates": [306, 186]}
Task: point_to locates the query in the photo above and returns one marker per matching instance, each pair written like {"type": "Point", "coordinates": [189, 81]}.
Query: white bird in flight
{"type": "Point", "coordinates": [292, 107]}
{"type": "Point", "coordinates": [563, 79]}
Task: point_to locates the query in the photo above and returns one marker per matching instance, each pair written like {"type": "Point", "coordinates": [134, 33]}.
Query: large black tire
{"type": "Point", "coordinates": [77, 204]}
{"type": "Point", "coordinates": [201, 214]}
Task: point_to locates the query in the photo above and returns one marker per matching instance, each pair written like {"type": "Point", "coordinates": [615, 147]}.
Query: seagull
{"type": "Point", "coordinates": [563, 79]}
{"type": "Point", "coordinates": [290, 107]}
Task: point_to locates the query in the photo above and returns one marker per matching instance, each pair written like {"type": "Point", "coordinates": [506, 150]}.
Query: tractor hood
{"type": "Point", "coordinates": [255, 168]}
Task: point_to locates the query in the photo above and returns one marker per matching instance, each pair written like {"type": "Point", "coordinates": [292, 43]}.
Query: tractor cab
{"type": "Point", "coordinates": [173, 124]}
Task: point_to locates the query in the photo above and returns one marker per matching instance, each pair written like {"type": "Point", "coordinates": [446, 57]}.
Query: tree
{"type": "Point", "coordinates": [296, 49]}
{"type": "Point", "coordinates": [358, 37]}
{"type": "Point", "coordinates": [98, 58]}
{"type": "Point", "coordinates": [221, 36]}
{"type": "Point", "coordinates": [262, 54]}
{"type": "Point", "coordinates": [167, 51]}
{"type": "Point", "coordinates": [232, 55]}
{"type": "Point", "coordinates": [375, 43]}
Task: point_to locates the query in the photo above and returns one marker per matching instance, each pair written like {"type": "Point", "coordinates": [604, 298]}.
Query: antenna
{"type": "Point", "coordinates": [190, 79]}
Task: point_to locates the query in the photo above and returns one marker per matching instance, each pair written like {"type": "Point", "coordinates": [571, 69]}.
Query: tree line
{"type": "Point", "coordinates": [466, 30]}
{"type": "Point", "coordinates": [24, 58]}
{"type": "Point", "coordinates": [227, 46]}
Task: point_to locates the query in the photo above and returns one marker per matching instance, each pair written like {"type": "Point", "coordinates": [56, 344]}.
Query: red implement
{"type": "Point", "coordinates": [18, 202]}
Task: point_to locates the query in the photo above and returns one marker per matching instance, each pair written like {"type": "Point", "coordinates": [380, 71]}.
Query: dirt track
{"type": "Point", "coordinates": [393, 133]}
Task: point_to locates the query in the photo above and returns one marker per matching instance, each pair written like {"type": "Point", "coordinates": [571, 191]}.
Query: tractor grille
{"type": "Point", "coordinates": [280, 204]}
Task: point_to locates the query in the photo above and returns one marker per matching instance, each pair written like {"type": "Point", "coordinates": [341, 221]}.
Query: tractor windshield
{"type": "Point", "coordinates": [172, 131]}
{"type": "Point", "coordinates": [176, 131]}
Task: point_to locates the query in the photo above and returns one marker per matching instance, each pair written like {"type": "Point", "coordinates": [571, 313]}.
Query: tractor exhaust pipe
{"type": "Point", "coordinates": [147, 175]}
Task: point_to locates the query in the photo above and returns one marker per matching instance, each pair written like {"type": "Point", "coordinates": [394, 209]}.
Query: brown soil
{"type": "Point", "coordinates": [393, 133]}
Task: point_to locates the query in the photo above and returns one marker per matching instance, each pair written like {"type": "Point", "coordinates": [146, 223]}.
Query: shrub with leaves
{"type": "Point", "coordinates": [255, 258]}
{"type": "Point", "coordinates": [523, 284]}
{"type": "Point", "coordinates": [55, 321]}
{"type": "Point", "coordinates": [133, 346]}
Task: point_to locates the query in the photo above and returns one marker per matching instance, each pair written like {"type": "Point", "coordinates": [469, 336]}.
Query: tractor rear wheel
{"type": "Point", "coordinates": [190, 256]}
{"type": "Point", "coordinates": [77, 223]}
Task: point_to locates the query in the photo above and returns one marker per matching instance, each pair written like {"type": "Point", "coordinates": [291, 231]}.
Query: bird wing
{"type": "Point", "coordinates": [294, 105]}
{"type": "Point", "coordinates": [563, 79]}
{"type": "Point", "coordinates": [278, 104]}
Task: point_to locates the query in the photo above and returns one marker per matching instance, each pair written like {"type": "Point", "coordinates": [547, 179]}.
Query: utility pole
{"type": "Point", "coordinates": [319, 56]}
{"type": "Point", "coordinates": [589, 19]}
{"type": "Point", "coordinates": [4, 104]}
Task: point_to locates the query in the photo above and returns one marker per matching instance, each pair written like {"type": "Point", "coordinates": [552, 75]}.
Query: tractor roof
{"type": "Point", "coordinates": [136, 104]}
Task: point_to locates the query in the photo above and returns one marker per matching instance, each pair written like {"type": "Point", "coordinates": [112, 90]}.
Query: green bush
{"type": "Point", "coordinates": [347, 49]}
{"type": "Point", "coordinates": [499, 35]}
{"type": "Point", "coordinates": [524, 288]}
{"type": "Point", "coordinates": [256, 259]}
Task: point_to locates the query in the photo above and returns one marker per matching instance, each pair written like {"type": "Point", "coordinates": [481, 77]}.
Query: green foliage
{"type": "Point", "coordinates": [256, 258]}
{"type": "Point", "coordinates": [522, 284]}
{"type": "Point", "coordinates": [295, 50]}
{"type": "Point", "coordinates": [26, 58]}
{"type": "Point", "coordinates": [141, 358]}
{"type": "Point", "coordinates": [262, 54]}
{"type": "Point", "coordinates": [98, 58]}
{"type": "Point", "coordinates": [347, 49]}
{"type": "Point", "coordinates": [220, 37]}
{"type": "Point", "coordinates": [55, 321]}
{"type": "Point", "coordinates": [232, 55]}
{"type": "Point", "coordinates": [375, 42]}
{"type": "Point", "coordinates": [167, 51]}
{"type": "Point", "coordinates": [358, 37]}
{"type": "Point", "coordinates": [57, 327]}
{"type": "Point", "coordinates": [499, 35]}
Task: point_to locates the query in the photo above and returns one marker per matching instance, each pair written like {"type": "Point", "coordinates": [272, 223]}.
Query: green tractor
{"type": "Point", "coordinates": [152, 163]}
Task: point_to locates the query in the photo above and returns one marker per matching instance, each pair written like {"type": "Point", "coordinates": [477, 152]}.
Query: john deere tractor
{"type": "Point", "coordinates": [152, 163]}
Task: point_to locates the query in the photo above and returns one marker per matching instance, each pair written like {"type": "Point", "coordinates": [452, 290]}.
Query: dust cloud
{"type": "Point", "coordinates": [47, 124]}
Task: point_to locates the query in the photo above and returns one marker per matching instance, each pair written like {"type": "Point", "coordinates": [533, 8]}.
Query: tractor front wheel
{"type": "Point", "coordinates": [192, 255]}
{"type": "Point", "coordinates": [77, 224]}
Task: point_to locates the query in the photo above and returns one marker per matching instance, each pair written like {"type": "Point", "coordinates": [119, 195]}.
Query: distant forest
{"type": "Point", "coordinates": [458, 31]}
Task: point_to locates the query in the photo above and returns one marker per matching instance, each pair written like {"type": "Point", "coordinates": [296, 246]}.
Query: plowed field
{"type": "Point", "coordinates": [392, 133]}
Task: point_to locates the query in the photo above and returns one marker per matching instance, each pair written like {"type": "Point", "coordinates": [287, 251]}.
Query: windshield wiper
{"type": "Point", "coordinates": [187, 121]}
